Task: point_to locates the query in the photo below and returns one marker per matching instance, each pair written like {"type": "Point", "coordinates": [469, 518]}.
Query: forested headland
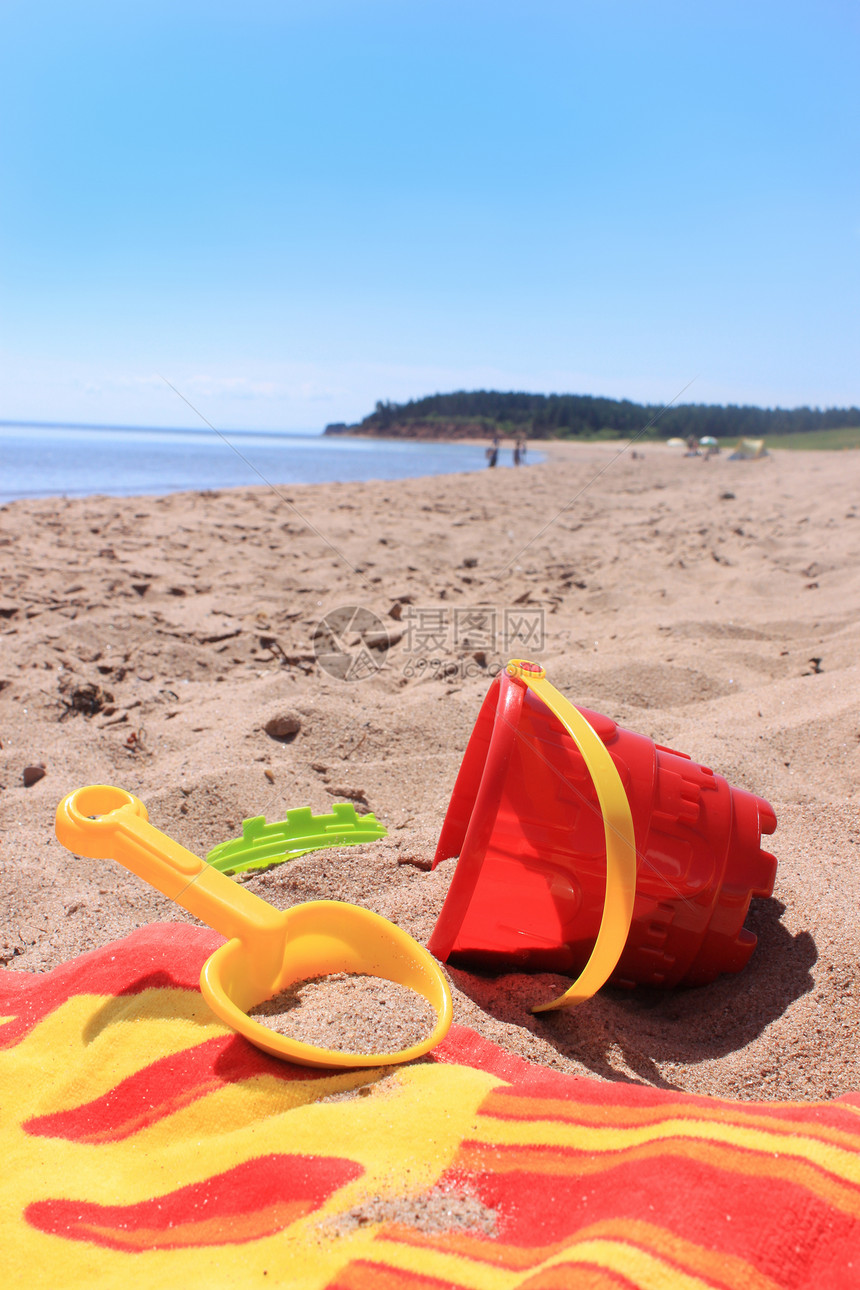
{"type": "Point", "coordinates": [480, 413]}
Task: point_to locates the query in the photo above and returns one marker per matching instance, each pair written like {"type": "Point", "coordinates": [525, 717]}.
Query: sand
{"type": "Point", "coordinates": [711, 605]}
{"type": "Point", "coordinates": [349, 1013]}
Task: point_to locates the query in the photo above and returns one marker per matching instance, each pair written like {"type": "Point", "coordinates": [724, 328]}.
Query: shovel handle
{"type": "Point", "coordinates": [108, 823]}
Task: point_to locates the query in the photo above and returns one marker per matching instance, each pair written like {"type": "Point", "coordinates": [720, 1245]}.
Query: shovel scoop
{"type": "Point", "coordinates": [267, 950]}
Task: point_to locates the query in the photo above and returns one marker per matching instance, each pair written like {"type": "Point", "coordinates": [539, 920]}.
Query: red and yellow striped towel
{"type": "Point", "coordinates": [143, 1144]}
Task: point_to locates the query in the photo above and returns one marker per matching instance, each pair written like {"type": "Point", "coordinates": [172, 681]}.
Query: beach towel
{"type": "Point", "coordinates": [146, 1145]}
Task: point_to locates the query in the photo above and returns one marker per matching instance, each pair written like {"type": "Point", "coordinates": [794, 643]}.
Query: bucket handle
{"type": "Point", "coordinates": [620, 841]}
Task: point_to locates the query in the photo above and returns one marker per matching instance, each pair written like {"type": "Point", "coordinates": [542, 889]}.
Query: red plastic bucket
{"type": "Point", "coordinates": [532, 889]}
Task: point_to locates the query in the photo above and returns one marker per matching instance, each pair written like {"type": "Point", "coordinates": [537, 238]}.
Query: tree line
{"type": "Point", "coordinates": [550, 416]}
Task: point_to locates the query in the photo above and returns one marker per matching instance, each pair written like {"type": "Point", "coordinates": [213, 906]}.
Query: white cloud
{"type": "Point", "coordinates": [306, 395]}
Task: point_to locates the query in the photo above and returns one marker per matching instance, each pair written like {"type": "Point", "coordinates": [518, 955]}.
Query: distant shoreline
{"type": "Point", "coordinates": [486, 414]}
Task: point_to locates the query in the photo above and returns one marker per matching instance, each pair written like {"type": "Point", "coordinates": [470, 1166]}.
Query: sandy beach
{"type": "Point", "coordinates": [711, 605]}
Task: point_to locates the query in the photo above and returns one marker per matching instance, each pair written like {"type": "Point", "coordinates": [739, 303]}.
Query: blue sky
{"type": "Point", "coordinates": [292, 210]}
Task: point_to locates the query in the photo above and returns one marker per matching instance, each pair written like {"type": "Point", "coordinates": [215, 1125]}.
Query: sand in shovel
{"type": "Point", "coordinates": [349, 1014]}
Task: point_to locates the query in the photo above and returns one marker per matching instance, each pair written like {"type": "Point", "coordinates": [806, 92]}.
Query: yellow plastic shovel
{"type": "Point", "coordinates": [268, 949]}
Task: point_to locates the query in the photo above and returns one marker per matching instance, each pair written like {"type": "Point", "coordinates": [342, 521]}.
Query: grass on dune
{"type": "Point", "coordinates": [844, 437]}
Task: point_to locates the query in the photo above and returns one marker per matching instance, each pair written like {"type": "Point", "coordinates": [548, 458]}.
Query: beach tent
{"type": "Point", "coordinates": [675, 443]}
{"type": "Point", "coordinates": [749, 450]}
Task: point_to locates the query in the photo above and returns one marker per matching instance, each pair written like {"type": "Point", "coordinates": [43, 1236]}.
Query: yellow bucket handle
{"type": "Point", "coordinates": [620, 842]}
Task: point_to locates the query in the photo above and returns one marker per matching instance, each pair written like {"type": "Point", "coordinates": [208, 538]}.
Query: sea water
{"type": "Point", "coordinates": [76, 461]}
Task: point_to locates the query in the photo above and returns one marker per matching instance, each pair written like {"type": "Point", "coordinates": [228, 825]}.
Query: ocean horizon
{"type": "Point", "coordinates": [54, 459]}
